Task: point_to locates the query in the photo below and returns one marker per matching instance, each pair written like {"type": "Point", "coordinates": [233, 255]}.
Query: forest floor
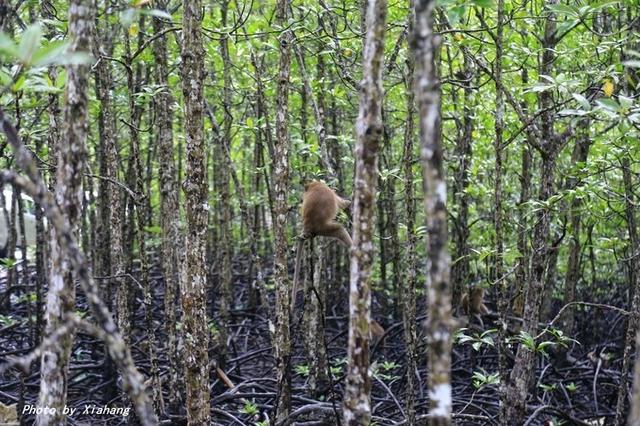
{"type": "Point", "coordinates": [580, 392]}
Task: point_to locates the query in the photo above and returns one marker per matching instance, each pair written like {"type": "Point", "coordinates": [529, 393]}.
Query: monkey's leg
{"type": "Point", "coordinates": [336, 230]}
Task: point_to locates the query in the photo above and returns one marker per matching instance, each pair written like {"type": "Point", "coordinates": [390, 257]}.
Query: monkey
{"type": "Point", "coordinates": [376, 331]}
{"type": "Point", "coordinates": [320, 206]}
{"type": "Point", "coordinates": [472, 303]}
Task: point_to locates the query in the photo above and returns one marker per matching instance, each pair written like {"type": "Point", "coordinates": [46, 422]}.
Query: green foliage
{"type": "Point", "coordinates": [476, 340]}
{"type": "Point", "coordinates": [558, 339]}
{"type": "Point", "coordinates": [250, 408]}
{"type": "Point", "coordinates": [384, 370]}
{"type": "Point", "coordinates": [482, 379]}
{"type": "Point", "coordinates": [7, 320]}
{"type": "Point", "coordinates": [31, 50]}
{"type": "Point", "coordinates": [302, 370]}
{"type": "Point", "coordinates": [8, 262]}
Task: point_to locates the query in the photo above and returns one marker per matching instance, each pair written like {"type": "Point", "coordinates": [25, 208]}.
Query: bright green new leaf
{"type": "Point", "coordinates": [29, 43]}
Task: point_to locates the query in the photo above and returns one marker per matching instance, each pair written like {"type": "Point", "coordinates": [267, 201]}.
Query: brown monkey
{"type": "Point", "coordinates": [320, 205]}
{"type": "Point", "coordinates": [473, 302]}
{"type": "Point", "coordinates": [376, 330]}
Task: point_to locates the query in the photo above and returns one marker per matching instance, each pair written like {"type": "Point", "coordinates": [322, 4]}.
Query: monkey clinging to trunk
{"type": "Point", "coordinates": [320, 206]}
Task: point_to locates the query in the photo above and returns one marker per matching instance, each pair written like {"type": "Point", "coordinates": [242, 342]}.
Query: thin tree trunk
{"type": "Point", "coordinates": [69, 195]}
{"type": "Point", "coordinates": [580, 154]}
{"type": "Point", "coordinates": [41, 267]}
{"type": "Point", "coordinates": [425, 46]}
{"type": "Point", "coordinates": [514, 408]}
{"type": "Point", "coordinates": [281, 184]}
{"type": "Point", "coordinates": [463, 154]}
{"type": "Point", "coordinates": [24, 264]}
{"type": "Point", "coordinates": [634, 288]}
{"type": "Point", "coordinates": [315, 295]}
{"type": "Point", "coordinates": [194, 277]}
{"type": "Point", "coordinates": [369, 128]}
{"type": "Point", "coordinates": [10, 248]}
{"type": "Point", "coordinates": [224, 166]}
{"type": "Point", "coordinates": [522, 268]}
{"type": "Point", "coordinates": [634, 417]}
{"type": "Point", "coordinates": [169, 209]}
{"type": "Point", "coordinates": [498, 269]}
{"type": "Point", "coordinates": [319, 117]}
{"type": "Point", "coordinates": [111, 210]}
{"type": "Point", "coordinates": [408, 290]}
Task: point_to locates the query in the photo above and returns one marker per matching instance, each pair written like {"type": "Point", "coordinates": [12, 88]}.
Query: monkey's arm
{"type": "Point", "coordinates": [343, 203]}
{"type": "Point", "coordinates": [336, 230]}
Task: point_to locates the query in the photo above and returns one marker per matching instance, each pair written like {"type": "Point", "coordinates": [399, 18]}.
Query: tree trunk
{"type": "Point", "coordinates": [498, 269]}
{"type": "Point", "coordinates": [425, 47]}
{"type": "Point", "coordinates": [408, 289]}
{"type": "Point", "coordinates": [463, 154]}
{"type": "Point", "coordinates": [634, 288]}
{"type": "Point", "coordinates": [514, 408]}
{"type": "Point", "coordinates": [169, 209]}
{"type": "Point", "coordinates": [369, 128]}
{"type": "Point", "coordinates": [281, 188]}
{"type": "Point", "coordinates": [224, 165]}
{"type": "Point", "coordinates": [634, 417]}
{"type": "Point", "coordinates": [69, 195]}
{"type": "Point", "coordinates": [315, 296]}
{"type": "Point", "coordinates": [194, 277]}
{"type": "Point", "coordinates": [579, 155]}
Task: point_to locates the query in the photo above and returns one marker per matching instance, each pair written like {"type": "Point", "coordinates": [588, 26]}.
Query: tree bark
{"type": "Point", "coordinates": [408, 290]}
{"type": "Point", "coordinates": [579, 155]}
{"type": "Point", "coordinates": [169, 208]}
{"type": "Point", "coordinates": [425, 45]}
{"type": "Point", "coordinates": [34, 186]}
{"type": "Point", "coordinates": [549, 144]}
{"type": "Point", "coordinates": [314, 308]}
{"type": "Point", "coordinates": [69, 195]}
{"type": "Point", "coordinates": [369, 128]}
{"type": "Point", "coordinates": [224, 166]}
{"type": "Point", "coordinates": [194, 277]}
{"type": "Point", "coordinates": [463, 154]}
{"type": "Point", "coordinates": [281, 188]}
{"type": "Point", "coordinates": [634, 288]}
{"type": "Point", "coordinates": [634, 416]}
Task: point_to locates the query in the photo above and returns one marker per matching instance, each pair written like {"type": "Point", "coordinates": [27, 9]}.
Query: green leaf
{"type": "Point", "coordinates": [483, 3]}
{"type": "Point", "coordinates": [596, 7]}
{"type": "Point", "coordinates": [17, 86]}
{"type": "Point", "coordinates": [156, 13]}
{"type": "Point", "coordinates": [153, 229]}
{"type": "Point", "coordinates": [563, 9]}
{"type": "Point", "coordinates": [584, 102]}
{"type": "Point", "coordinates": [632, 63]}
{"type": "Point", "coordinates": [29, 43]}
{"type": "Point", "coordinates": [577, 112]}
{"type": "Point", "coordinates": [455, 14]}
{"type": "Point", "coordinates": [49, 54]}
{"type": "Point", "coordinates": [566, 26]}
{"type": "Point", "coordinates": [609, 104]}
{"type": "Point", "coordinates": [7, 46]}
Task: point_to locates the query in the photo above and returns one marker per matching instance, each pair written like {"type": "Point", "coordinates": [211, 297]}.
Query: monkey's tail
{"type": "Point", "coordinates": [296, 271]}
